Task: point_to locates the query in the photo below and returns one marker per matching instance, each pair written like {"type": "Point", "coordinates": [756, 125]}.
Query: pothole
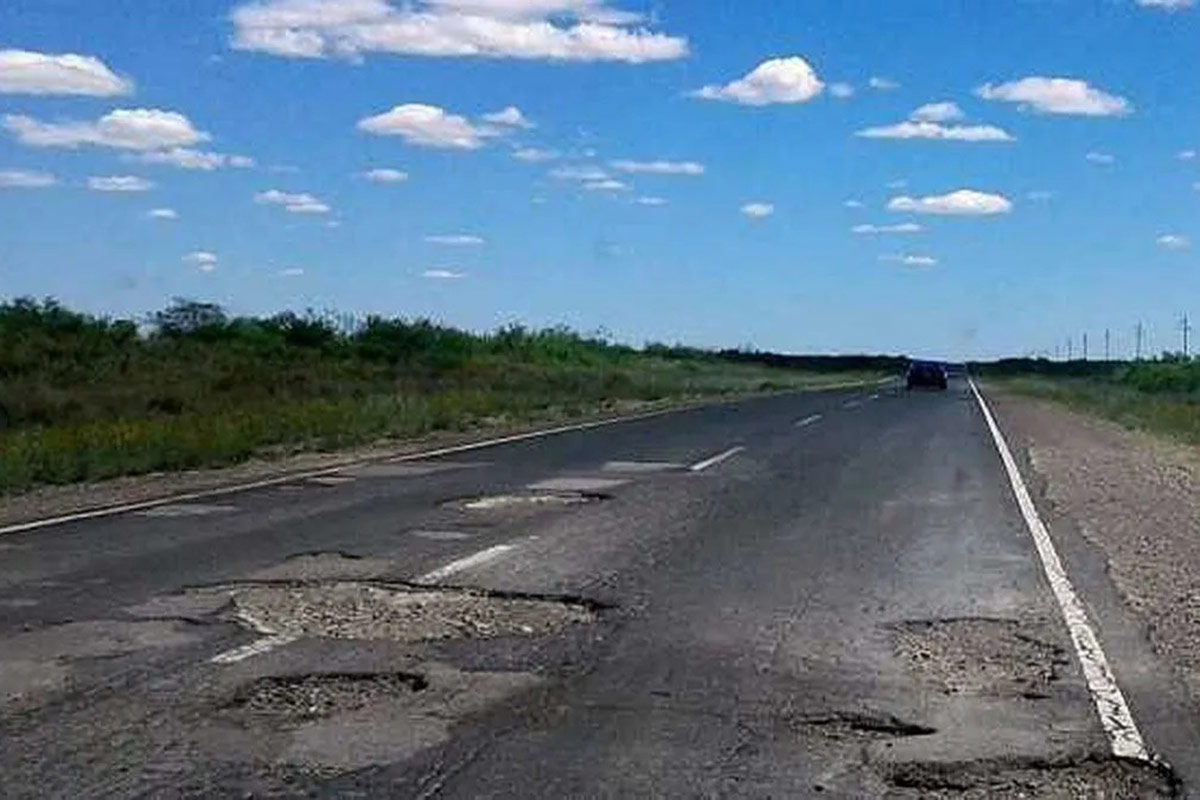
{"type": "Point", "coordinates": [526, 501]}
{"type": "Point", "coordinates": [856, 724]}
{"type": "Point", "coordinates": [1031, 779]}
{"type": "Point", "coordinates": [976, 655]}
{"type": "Point", "coordinates": [358, 610]}
{"type": "Point", "coordinates": [299, 698]}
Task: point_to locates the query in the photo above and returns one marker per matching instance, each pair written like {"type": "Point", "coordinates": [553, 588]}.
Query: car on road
{"type": "Point", "coordinates": [927, 374]}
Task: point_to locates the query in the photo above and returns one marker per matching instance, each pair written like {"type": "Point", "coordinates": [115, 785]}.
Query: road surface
{"type": "Point", "coordinates": [831, 594]}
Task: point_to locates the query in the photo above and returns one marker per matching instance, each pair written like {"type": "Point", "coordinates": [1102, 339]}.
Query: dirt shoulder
{"type": "Point", "coordinates": [1134, 496]}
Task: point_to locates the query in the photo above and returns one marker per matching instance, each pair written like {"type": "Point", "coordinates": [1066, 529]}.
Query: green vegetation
{"type": "Point", "coordinates": [83, 398]}
{"type": "Point", "coordinates": [1162, 396]}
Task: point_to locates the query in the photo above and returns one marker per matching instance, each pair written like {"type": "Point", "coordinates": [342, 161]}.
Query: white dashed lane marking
{"type": "Point", "coordinates": [804, 423]}
{"type": "Point", "coordinates": [852, 404]}
{"type": "Point", "coordinates": [700, 466]}
{"type": "Point", "coordinates": [255, 648]}
{"type": "Point", "coordinates": [474, 560]}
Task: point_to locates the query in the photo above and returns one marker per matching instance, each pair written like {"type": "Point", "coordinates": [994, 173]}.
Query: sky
{"type": "Point", "coordinates": [940, 178]}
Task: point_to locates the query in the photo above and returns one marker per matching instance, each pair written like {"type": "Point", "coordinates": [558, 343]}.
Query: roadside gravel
{"type": "Point", "coordinates": [1137, 498]}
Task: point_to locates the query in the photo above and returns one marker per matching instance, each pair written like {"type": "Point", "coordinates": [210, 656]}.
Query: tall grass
{"type": "Point", "coordinates": [83, 398]}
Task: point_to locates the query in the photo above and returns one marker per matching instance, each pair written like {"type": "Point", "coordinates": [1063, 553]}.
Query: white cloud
{"type": "Point", "coordinates": [778, 80]}
{"type": "Point", "coordinates": [554, 30]}
{"type": "Point", "coordinates": [1173, 241]}
{"type": "Point", "coordinates": [911, 261]}
{"type": "Point", "coordinates": [27, 72]}
{"type": "Point", "coordinates": [1100, 158]}
{"type": "Point", "coordinates": [903, 227]}
{"type": "Point", "coordinates": [297, 203]}
{"type": "Point", "coordinates": [1186, 155]}
{"type": "Point", "coordinates": [758, 210]}
{"type": "Point", "coordinates": [584, 172]}
{"type": "Point", "coordinates": [931, 130]}
{"type": "Point", "coordinates": [201, 260]}
{"type": "Point", "coordinates": [25, 179]}
{"type": "Point", "coordinates": [534, 155]}
{"type": "Point", "coordinates": [187, 158]}
{"type": "Point", "coordinates": [120, 183]}
{"type": "Point", "coordinates": [854, 204]}
{"type": "Point", "coordinates": [938, 112]}
{"type": "Point", "coordinates": [658, 167]}
{"type": "Point", "coordinates": [882, 84]}
{"type": "Point", "coordinates": [442, 274]}
{"type": "Point", "coordinates": [1166, 5]}
{"type": "Point", "coordinates": [383, 175]}
{"type": "Point", "coordinates": [841, 91]}
{"type": "Point", "coordinates": [427, 126]}
{"type": "Point", "coordinates": [509, 116]}
{"type": "Point", "coordinates": [290, 272]}
{"type": "Point", "coordinates": [963, 202]}
{"type": "Point", "coordinates": [1057, 96]}
{"type": "Point", "coordinates": [123, 129]}
{"type": "Point", "coordinates": [457, 239]}
{"type": "Point", "coordinates": [650, 201]}
{"type": "Point", "coordinates": [1040, 195]}
{"type": "Point", "coordinates": [162, 213]}
{"type": "Point", "coordinates": [606, 185]}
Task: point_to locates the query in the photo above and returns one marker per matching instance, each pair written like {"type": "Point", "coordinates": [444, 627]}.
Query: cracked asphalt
{"type": "Point", "coordinates": [826, 594]}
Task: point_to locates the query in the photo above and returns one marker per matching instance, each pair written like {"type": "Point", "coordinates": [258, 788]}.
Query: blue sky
{"type": "Point", "coordinates": [668, 171]}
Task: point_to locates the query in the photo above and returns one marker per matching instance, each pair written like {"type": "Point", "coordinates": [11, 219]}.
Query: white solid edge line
{"type": "Point", "coordinates": [108, 511]}
{"type": "Point", "coordinates": [700, 466]}
{"type": "Point", "coordinates": [1114, 712]}
{"type": "Point", "coordinates": [808, 421]}
{"type": "Point", "coordinates": [255, 648]}
{"type": "Point", "coordinates": [474, 560]}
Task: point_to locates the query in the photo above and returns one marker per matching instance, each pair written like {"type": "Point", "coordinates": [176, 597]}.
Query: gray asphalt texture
{"type": "Point", "coordinates": [851, 607]}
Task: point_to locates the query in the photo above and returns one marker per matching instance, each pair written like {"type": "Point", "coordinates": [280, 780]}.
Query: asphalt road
{"type": "Point", "coordinates": [828, 594]}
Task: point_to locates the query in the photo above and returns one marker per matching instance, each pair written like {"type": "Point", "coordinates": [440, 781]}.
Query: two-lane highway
{"type": "Point", "coordinates": [833, 593]}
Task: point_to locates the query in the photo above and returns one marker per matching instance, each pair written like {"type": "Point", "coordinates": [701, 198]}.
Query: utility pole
{"type": "Point", "coordinates": [1186, 330]}
{"type": "Point", "coordinates": [1138, 336]}
{"type": "Point", "coordinates": [1085, 347]}
{"type": "Point", "coordinates": [1070, 349]}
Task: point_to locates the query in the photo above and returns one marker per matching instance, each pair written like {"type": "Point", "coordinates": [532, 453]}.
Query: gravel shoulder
{"type": "Point", "coordinates": [1134, 496]}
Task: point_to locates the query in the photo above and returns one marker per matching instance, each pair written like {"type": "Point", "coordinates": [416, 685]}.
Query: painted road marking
{"type": "Point", "coordinates": [186, 510]}
{"type": "Point", "coordinates": [1114, 712]}
{"type": "Point", "coordinates": [700, 466]}
{"type": "Point", "coordinates": [255, 648]}
{"type": "Point", "coordinates": [475, 560]}
{"type": "Point", "coordinates": [873, 397]}
{"type": "Point", "coordinates": [804, 423]}
{"type": "Point", "coordinates": [331, 480]}
{"type": "Point", "coordinates": [640, 466]}
{"type": "Point", "coordinates": [440, 536]}
{"type": "Point", "coordinates": [576, 484]}
{"type": "Point", "coordinates": [852, 404]}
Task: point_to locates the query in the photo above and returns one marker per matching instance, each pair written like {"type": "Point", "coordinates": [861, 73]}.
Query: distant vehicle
{"type": "Point", "coordinates": [925, 374]}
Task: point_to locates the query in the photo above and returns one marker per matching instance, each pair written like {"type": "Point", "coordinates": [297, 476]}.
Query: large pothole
{"type": "Point", "coordinates": [525, 502]}
{"type": "Point", "coordinates": [359, 610]}
{"type": "Point", "coordinates": [977, 655]}
{"type": "Point", "coordinates": [859, 725]}
{"type": "Point", "coordinates": [299, 698]}
{"type": "Point", "coordinates": [1028, 779]}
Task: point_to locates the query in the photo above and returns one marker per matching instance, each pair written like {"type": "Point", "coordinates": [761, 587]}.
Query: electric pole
{"type": "Point", "coordinates": [1186, 330]}
{"type": "Point", "coordinates": [1138, 336]}
{"type": "Point", "coordinates": [1085, 347]}
{"type": "Point", "coordinates": [1070, 349]}
{"type": "Point", "coordinates": [1107, 348]}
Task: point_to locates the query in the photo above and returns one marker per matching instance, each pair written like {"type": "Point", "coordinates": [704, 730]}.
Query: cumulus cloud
{"type": "Point", "coordinates": [1166, 5]}
{"type": "Point", "coordinates": [1103, 159]}
{"type": "Point", "coordinates": [1186, 155]}
{"type": "Point", "coordinates": [963, 202]}
{"type": "Point", "coordinates": [535, 155]}
{"type": "Point", "coordinates": [162, 213]}
{"type": "Point", "coordinates": [758, 210]}
{"type": "Point", "coordinates": [650, 201]}
{"type": "Point", "coordinates": [841, 91]}
{"type": "Point", "coordinates": [25, 179]}
{"type": "Point", "coordinates": [140, 129]}
{"type": "Point", "coordinates": [511, 117]}
{"type": "Point", "coordinates": [384, 175]}
{"type": "Point", "coordinates": [296, 203]}
{"type": "Point", "coordinates": [187, 158]}
{"type": "Point", "coordinates": [778, 80]}
{"type": "Point", "coordinates": [658, 167]}
{"type": "Point", "coordinates": [606, 185]}
{"type": "Point", "coordinates": [938, 112]}
{"type": "Point", "coordinates": [911, 261]}
{"type": "Point", "coordinates": [882, 84]}
{"type": "Point", "coordinates": [903, 227]}
{"type": "Point", "coordinates": [442, 274]}
{"type": "Point", "coordinates": [912, 129]}
{"type": "Point", "coordinates": [553, 30]}
{"type": "Point", "coordinates": [456, 239]}
{"type": "Point", "coordinates": [290, 272]}
{"type": "Point", "coordinates": [582, 172]}
{"type": "Point", "coordinates": [1057, 96]}
{"type": "Point", "coordinates": [427, 126]}
{"type": "Point", "coordinates": [120, 183]}
{"type": "Point", "coordinates": [27, 72]}
{"type": "Point", "coordinates": [201, 260]}
{"type": "Point", "coordinates": [1173, 241]}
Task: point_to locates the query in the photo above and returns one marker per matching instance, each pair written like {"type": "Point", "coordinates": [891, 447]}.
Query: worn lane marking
{"type": "Point", "coordinates": [1114, 712]}
{"type": "Point", "coordinates": [700, 466]}
{"type": "Point", "coordinates": [852, 404]}
{"type": "Point", "coordinates": [873, 397]}
{"type": "Point", "coordinates": [255, 648]}
{"type": "Point", "coordinates": [804, 423]}
{"type": "Point", "coordinates": [474, 560]}
{"type": "Point", "coordinates": [186, 510]}
{"type": "Point", "coordinates": [576, 484]}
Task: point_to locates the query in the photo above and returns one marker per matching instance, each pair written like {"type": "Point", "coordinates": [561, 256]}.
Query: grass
{"type": "Point", "coordinates": [85, 398]}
